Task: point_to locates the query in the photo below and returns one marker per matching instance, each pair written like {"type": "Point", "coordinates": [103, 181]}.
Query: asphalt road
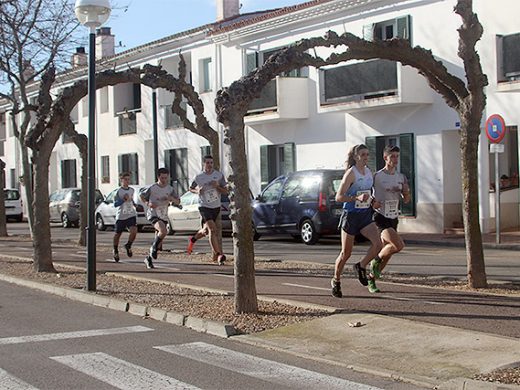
{"type": "Point", "coordinates": [48, 342]}
{"type": "Point", "coordinates": [432, 260]}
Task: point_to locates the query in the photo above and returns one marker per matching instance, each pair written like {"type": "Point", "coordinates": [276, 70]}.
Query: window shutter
{"type": "Point", "coordinates": [404, 28]}
{"type": "Point", "coordinates": [289, 152]}
{"type": "Point", "coordinates": [264, 166]}
{"type": "Point", "coordinates": [368, 32]}
{"type": "Point", "coordinates": [137, 96]}
{"type": "Point", "coordinates": [375, 147]}
{"type": "Point", "coordinates": [407, 167]}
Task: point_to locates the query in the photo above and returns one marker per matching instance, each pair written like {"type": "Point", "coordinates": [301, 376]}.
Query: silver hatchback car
{"type": "Point", "coordinates": [64, 206]}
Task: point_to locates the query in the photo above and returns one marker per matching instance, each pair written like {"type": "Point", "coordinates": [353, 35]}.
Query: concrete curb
{"type": "Point", "coordinates": [462, 244]}
{"type": "Point", "coordinates": [470, 384]}
{"type": "Point", "coordinates": [195, 323]}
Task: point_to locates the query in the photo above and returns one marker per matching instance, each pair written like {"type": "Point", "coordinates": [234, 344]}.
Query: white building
{"type": "Point", "coordinates": [310, 118]}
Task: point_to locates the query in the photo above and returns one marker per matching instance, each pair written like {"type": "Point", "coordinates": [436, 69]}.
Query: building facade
{"type": "Point", "coordinates": [309, 118]}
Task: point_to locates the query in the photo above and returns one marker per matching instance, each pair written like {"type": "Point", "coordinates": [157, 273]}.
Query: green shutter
{"type": "Point", "coordinates": [375, 147]}
{"type": "Point", "coordinates": [407, 167]}
{"type": "Point", "coordinates": [289, 153]}
{"type": "Point", "coordinates": [404, 28]}
{"type": "Point", "coordinates": [264, 165]}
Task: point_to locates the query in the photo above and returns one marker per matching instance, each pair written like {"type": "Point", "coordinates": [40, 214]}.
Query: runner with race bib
{"type": "Point", "coordinates": [389, 187]}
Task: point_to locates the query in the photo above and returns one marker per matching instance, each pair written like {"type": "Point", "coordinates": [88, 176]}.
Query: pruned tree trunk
{"type": "Point", "coordinates": [42, 229]}
{"type": "Point", "coordinates": [241, 216]}
{"type": "Point", "coordinates": [3, 219]}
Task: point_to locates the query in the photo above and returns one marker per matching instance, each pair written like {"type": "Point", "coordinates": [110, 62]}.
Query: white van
{"type": "Point", "coordinates": [13, 204]}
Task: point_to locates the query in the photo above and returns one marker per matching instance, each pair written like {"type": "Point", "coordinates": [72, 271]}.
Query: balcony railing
{"type": "Point", "coordinates": [371, 85]}
{"type": "Point", "coordinates": [281, 99]}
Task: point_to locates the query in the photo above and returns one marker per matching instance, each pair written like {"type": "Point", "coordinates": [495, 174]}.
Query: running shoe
{"type": "Point", "coordinates": [221, 259]}
{"type": "Point", "coordinates": [375, 268]}
{"type": "Point", "coordinates": [362, 274]}
{"type": "Point", "coordinates": [190, 246]}
{"type": "Point", "coordinates": [116, 255]}
{"type": "Point", "coordinates": [372, 286]}
{"type": "Point", "coordinates": [128, 248]}
{"type": "Point", "coordinates": [336, 288]}
{"type": "Point", "coordinates": [148, 262]}
{"type": "Point", "coordinates": [153, 252]}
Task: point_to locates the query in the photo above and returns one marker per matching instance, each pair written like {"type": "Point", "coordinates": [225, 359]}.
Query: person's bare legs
{"type": "Point", "coordinates": [371, 232]}
{"type": "Point", "coordinates": [347, 243]}
{"type": "Point", "coordinates": [392, 244]}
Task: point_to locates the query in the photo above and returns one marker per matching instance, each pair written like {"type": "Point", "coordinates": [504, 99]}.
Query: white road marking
{"type": "Point", "coordinates": [385, 296]}
{"type": "Point", "coordinates": [73, 335]}
{"type": "Point", "coordinates": [224, 275]}
{"type": "Point", "coordinates": [9, 382]}
{"type": "Point", "coordinates": [304, 286]}
{"type": "Point", "coordinates": [260, 368]}
{"type": "Point", "coordinates": [119, 373]}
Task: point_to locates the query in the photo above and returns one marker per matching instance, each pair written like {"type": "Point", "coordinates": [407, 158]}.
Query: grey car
{"type": "Point", "coordinates": [64, 206]}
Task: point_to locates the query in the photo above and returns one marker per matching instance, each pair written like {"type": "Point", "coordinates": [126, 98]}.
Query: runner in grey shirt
{"type": "Point", "coordinates": [389, 187]}
{"type": "Point", "coordinates": [126, 215]}
{"type": "Point", "coordinates": [209, 185]}
{"type": "Point", "coordinates": [158, 197]}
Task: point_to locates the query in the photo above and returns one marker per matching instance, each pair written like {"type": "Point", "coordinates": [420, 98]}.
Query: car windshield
{"type": "Point", "coordinates": [11, 195]}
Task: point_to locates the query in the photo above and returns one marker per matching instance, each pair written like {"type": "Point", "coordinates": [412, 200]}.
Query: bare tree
{"type": "Point", "coordinates": [34, 35]}
{"type": "Point", "coordinates": [469, 101]}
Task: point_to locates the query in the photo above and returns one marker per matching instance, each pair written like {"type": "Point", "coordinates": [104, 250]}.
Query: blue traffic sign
{"type": "Point", "coordinates": [495, 128]}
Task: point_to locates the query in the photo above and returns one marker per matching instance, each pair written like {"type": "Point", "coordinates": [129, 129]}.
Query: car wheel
{"type": "Point", "coordinates": [256, 235]}
{"type": "Point", "coordinates": [65, 221]}
{"type": "Point", "coordinates": [169, 229]}
{"type": "Point", "coordinates": [308, 233]}
{"type": "Point", "coordinates": [100, 224]}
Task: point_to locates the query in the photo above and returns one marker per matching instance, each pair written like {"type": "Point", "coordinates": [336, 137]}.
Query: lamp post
{"type": "Point", "coordinates": [92, 14]}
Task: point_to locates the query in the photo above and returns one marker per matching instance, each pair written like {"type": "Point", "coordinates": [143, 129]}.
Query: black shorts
{"type": "Point", "coordinates": [352, 223]}
{"type": "Point", "coordinates": [208, 214]}
{"type": "Point", "coordinates": [122, 224]}
{"type": "Point", "coordinates": [153, 220]}
{"type": "Point", "coordinates": [383, 222]}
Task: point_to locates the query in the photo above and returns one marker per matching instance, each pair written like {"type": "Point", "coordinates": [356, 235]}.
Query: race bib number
{"type": "Point", "coordinates": [366, 203]}
{"type": "Point", "coordinates": [162, 212]}
{"type": "Point", "coordinates": [127, 208]}
{"type": "Point", "coordinates": [210, 196]}
{"type": "Point", "coordinates": [391, 209]}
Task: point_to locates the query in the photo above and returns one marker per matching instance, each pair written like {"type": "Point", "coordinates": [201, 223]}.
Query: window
{"type": "Point", "coordinates": [272, 193]}
{"type": "Point", "coordinates": [127, 123]}
{"type": "Point", "coordinates": [507, 161]}
{"type": "Point", "coordinates": [176, 160]}
{"type": "Point", "coordinates": [105, 169]}
{"type": "Point", "coordinates": [2, 135]}
{"type": "Point", "coordinates": [509, 57]}
{"type": "Point", "coordinates": [171, 120]}
{"type": "Point", "coordinates": [206, 72]}
{"type": "Point", "coordinates": [68, 173]}
{"type": "Point", "coordinates": [254, 59]}
{"type": "Point", "coordinates": [393, 28]}
{"type": "Point", "coordinates": [13, 179]}
{"type": "Point", "coordinates": [137, 96]}
{"type": "Point", "coordinates": [129, 163]}
{"type": "Point", "coordinates": [276, 160]}
{"type": "Point", "coordinates": [406, 164]}
{"type": "Point", "coordinates": [66, 139]}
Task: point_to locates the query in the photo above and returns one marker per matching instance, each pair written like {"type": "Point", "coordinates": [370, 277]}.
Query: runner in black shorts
{"type": "Point", "coordinates": [126, 215]}
{"type": "Point", "coordinates": [389, 187]}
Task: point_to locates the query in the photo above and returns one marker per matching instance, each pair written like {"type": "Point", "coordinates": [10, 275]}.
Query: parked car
{"type": "Point", "coordinates": [64, 206]}
{"type": "Point", "coordinates": [187, 217]}
{"type": "Point", "coordinates": [13, 204]}
{"type": "Point", "coordinates": [106, 211]}
{"type": "Point", "coordinates": [301, 204]}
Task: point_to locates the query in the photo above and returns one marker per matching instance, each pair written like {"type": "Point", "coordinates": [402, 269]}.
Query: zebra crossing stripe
{"type": "Point", "coordinates": [260, 368]}
{"type": "Point", "coordinates": [73, 335]}
{"type": "Point", "coordinates": [9, 382]}
{"type": "Point", "coordinates": [119, 373]}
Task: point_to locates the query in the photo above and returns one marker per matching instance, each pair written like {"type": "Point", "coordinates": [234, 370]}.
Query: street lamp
{"type": "Point", "coordinates": [92, 13]}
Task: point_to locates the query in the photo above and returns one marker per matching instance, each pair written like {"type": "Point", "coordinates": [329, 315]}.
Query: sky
{"type": "Point", "coordinates": [136, 22]}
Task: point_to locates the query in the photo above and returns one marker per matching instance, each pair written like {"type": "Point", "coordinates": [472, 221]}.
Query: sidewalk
{"type": "Point", "coordinates": [509, 240]}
